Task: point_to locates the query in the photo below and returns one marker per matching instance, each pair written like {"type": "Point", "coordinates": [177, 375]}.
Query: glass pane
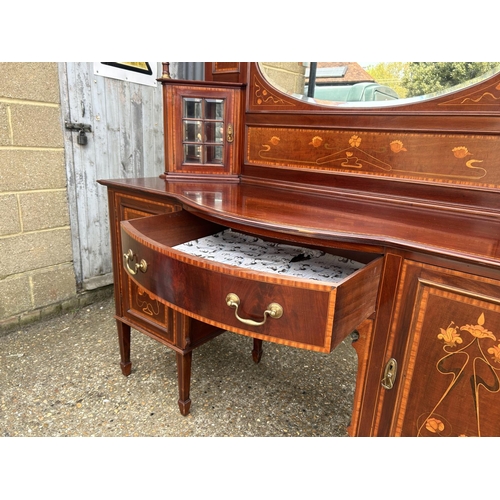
{"type": "Point", "coordinates": [192, 107]}
{"type": "Point", "coordinates": [192, 153]}
{"type": "Point", "coordinates": [214, 154]}
{"type": "Point", "coordinates": [214, 132]}
{"type": "Point", "coordinates": [192, 131]}
{"type": "Point", "coordinates": [214, 109]}
{"type": "Point", "coordinates": [338, 83]}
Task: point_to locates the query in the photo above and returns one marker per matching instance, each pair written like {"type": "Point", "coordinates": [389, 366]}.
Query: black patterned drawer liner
{"type": "Point", "coordinates": [241, 250]}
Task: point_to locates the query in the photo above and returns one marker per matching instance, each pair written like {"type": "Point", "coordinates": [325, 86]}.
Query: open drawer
{"type": "Point", "coordinates": [279, 307]}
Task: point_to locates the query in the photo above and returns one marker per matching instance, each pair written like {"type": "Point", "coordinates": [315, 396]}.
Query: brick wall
{"type": "Point", "coordinates": [36, 268]}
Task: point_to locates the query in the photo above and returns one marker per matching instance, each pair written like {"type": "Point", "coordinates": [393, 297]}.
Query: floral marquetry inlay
{"type": "Point", "coordinates": [397, 146]}
{"type": "Point", "coordinates": [264, 96]}
{"type": "Point", "coordinates": [460, 152]}
{"type": "Point", "coordinates": [466, 360]}
{"type": "Point", "coordinates": [484, 98]}
{"type": "Point", "coordinates": [449, 159]}
{"type": "Point", "coordinates": [147, 303]}
{"type": "Point", "coordinates": [450, 336]}
{"type": "Point", "coordinates": [434, 425]}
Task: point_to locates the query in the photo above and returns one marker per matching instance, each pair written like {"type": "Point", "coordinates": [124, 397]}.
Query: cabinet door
{"type": "Point", "coordinates": [202, 131]}
{"type": "Point", "coordinates": [446, 342]}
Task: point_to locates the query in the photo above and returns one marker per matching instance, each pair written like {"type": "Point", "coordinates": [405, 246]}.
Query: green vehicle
{"type": "Point", "coordinates": [358, 92]}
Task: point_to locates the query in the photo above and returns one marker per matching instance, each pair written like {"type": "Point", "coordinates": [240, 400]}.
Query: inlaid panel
{"type": "Point", "coordinates": [443, 158]}
{"type": "Point", "coordinates": [451, 381]}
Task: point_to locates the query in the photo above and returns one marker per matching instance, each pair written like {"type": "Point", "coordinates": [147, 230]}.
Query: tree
{"type": "Point", "coordinates": [390, 74]}
{"type": "Point", "coordinates": [422, 78]}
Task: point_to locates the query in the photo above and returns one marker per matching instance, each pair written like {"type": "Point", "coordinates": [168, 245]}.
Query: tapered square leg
{"type": "Point", "coordinates": [124, 342]}
{"type": "Point", "coordinates": [257, 350]}
{"type": "Point", "coordinates": [184, 378]}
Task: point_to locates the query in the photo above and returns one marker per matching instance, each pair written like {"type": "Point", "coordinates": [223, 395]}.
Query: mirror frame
{"type": "Point", "coordinates": [379, 104]}
{"type": "Point", "coordinates": [478, 98]}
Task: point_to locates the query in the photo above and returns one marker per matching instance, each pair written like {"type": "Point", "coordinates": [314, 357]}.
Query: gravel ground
{"type": "Point", "coordinates": [61, 377]}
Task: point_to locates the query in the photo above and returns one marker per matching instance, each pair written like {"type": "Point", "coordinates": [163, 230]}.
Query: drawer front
{"type": "Point", "coordinates": [133, 207]}
{"type": "Point", "coordinates": [200, 289]}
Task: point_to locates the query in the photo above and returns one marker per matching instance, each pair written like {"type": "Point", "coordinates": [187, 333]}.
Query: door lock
{"type": "Point", "coordinates": [82, 129]}
{"type": "Point", "coordinates": [391, 369]}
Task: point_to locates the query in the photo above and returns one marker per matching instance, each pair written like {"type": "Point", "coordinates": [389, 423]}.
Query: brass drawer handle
{"type": "Point", "coordinates": [273, 310]}
{"type": "Point", "coordinates": [142, 266]}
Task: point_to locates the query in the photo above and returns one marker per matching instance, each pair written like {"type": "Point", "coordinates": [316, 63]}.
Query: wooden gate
{"type": "Point", "coordinates": [126, 140]}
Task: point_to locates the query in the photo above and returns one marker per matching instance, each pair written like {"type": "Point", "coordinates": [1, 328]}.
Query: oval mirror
{"type": "Point", "coordinates": [373, 83]}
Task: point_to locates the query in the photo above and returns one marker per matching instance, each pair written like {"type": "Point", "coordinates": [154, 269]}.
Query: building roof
{"type": "Point", "coordinates": [339, 73]}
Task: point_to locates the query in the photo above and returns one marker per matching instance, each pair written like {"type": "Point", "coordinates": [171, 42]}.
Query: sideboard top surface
{"type": "Point", "coordinates": [371, 222]}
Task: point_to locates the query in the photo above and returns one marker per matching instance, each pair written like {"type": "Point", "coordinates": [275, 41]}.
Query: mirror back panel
{"type": "Point", "coordinates": [428, 149]}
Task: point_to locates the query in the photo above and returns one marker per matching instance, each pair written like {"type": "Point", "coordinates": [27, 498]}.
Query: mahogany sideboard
{"type": "Point", "coordinates": [410, 191]}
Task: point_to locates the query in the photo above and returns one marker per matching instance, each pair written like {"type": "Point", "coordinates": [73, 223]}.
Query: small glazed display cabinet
{"type": "Point", "coordinates": [404, 196]}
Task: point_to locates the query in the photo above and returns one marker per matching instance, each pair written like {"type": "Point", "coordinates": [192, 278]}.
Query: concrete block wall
{"type": "Point", "coordinates": [36, 261]}
{"type": "Point", "coordinates": [287, 76]}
